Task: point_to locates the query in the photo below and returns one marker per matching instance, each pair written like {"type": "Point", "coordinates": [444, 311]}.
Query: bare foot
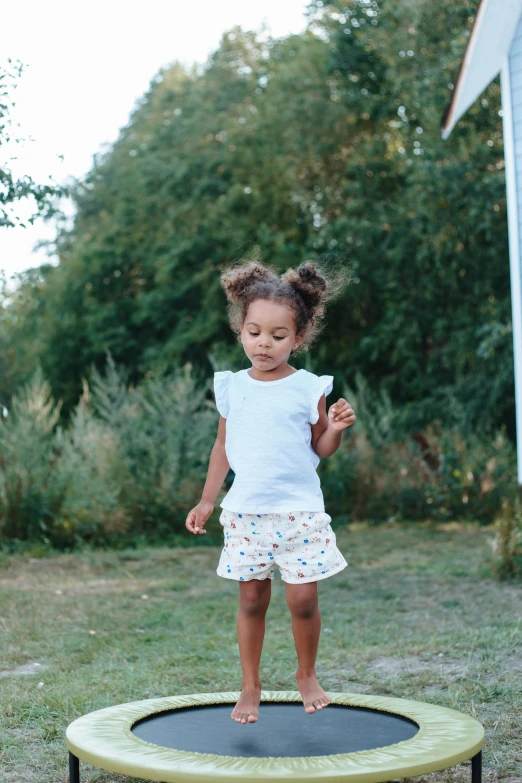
{"type": "Point", "coordinates": [247, 708]}
{"type": "Point", "coordinates": [314, 698]}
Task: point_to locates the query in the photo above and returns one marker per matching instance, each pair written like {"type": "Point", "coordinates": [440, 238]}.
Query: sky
{"type": "Point", "coordinates": [85, 66]}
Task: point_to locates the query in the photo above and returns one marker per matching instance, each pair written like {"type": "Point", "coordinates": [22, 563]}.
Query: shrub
{"type": "Point", "coordinates": [29, 496]}
{"type": "Point", "coordinates": [383, 470]}
{"type": "Point", "coordinates": [165, 431]}
{"type": "Point", "coordinates": [131, 463]}
{"type": "Point", "coordinates": [92, 474]}
{"type": "Point", "coordinates": [507, 543]}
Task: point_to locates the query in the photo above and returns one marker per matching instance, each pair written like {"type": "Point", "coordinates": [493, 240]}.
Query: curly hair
{"type": "Point", "coordinates": [304, 290]}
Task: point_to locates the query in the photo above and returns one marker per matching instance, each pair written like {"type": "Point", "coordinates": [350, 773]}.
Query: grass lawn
{"type": "Point", "coordinates": [415, 615]}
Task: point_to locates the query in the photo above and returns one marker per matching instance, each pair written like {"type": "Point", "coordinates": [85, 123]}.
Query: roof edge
{"type": "Point", "coordinates": [448, 122]}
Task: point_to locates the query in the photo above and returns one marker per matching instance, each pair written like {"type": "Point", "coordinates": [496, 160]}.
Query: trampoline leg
{"type": "Point", "coordinates": [476, 768]}
{"type": "Point", "coordinates": [74, 768]}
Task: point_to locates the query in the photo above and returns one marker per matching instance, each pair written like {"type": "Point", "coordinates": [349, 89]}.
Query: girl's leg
{"type": "Point", "coordinates": [306, 626]}
{"type": "Point", "coordinates": [254, 597]}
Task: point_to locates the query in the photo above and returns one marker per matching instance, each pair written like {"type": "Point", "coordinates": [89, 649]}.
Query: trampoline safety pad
{"type": "Point", "coordinates": [358, 738]}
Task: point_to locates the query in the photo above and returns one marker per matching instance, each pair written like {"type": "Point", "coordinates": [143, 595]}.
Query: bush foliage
{"type": "Point", "coordinates": [133, 460]}
{"type": "Point", "coordinates": [130, 462]}
{"type": "Point", "coordinates": [321, 144]}
{"type": "Point", "coordinates": [326, 142]}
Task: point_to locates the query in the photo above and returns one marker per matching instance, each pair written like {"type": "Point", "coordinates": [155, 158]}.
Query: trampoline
{"type": "Point", "coordinates": [357, 738]}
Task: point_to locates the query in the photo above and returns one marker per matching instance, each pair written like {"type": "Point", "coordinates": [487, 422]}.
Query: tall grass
{"type": "Point", "coordinates": [132, 461]}
{"type": "Point", "coordinates": [387, 469]}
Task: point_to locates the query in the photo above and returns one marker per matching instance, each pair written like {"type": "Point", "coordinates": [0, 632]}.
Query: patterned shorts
{"type": "Point", "coordinates": [301, 543]}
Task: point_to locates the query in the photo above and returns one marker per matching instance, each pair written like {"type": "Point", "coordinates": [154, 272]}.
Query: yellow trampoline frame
{"type": "Point", "coordinates": [105, 740]}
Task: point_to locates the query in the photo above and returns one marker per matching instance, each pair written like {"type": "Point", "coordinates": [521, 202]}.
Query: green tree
{"type": "Point", "coordinates": [12, 188]}
{"type": "Point", "coordinates": [324, 142]}
{"type": "Point", "coordinates": [19, 358]}
{"type": "Point", "coordinates": [425, 219]}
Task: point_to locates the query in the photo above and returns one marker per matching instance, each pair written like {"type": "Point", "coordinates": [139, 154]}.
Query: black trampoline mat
{"type": "Point", "coordinates": [283, 729]}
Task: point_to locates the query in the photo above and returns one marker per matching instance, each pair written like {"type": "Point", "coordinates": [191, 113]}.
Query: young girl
{"type": "Point", "coordinates": [273, 428]}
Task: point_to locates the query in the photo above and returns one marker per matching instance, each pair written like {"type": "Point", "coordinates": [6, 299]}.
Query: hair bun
{"type": "Point", "coordinates": [307, 271]}
{"type": "Point", "coordinates": [241, 277]}
{"type": "Point", "coordinates": [308, 283]}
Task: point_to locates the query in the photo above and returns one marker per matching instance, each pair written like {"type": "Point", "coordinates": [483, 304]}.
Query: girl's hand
{"type": "Point", "coordinates": [341, 415]}
{"type": "Point", "coordinates": [197, 517]}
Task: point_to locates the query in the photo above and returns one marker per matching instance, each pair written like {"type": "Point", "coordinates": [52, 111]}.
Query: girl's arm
{"type": "Point", "coordinates": [218, 466]}
{"type": "Point", "coordinates": [324, 440]}
{"type": "Point", "coordinates": [217, 472]}
{"type": "Point", "coordinates": [328, 430]}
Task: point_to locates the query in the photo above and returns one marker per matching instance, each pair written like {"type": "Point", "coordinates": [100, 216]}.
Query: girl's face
{"type": "Point", "coordinates": [268, 334]}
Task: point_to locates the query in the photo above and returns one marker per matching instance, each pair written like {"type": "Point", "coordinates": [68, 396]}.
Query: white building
{"type": "Point", "coordinates": [495, 46]}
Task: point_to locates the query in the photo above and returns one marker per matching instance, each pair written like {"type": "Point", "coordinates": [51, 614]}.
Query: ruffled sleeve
{"type": "Point", "coordinates": [322, 385]}
{"type": "Point", "coordinates": [221, 391]}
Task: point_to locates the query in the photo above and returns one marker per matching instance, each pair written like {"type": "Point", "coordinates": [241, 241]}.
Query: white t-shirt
{"type": "Point", "coordinates": [268, 440]}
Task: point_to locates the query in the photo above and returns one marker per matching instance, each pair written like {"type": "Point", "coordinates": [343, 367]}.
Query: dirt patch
{"type": "Point", "coordinates": [355, 687]}
{"type": "Point", "coordinates": [513, 665]}
{"type": "Point", "coordinates": [123, 583]}
{"type": "Point", "coordinates": [410, 664]}
{"type": "Point", "coordinates": [196, 591]}
{"type": "Point", "coordinates": [27, 668]}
